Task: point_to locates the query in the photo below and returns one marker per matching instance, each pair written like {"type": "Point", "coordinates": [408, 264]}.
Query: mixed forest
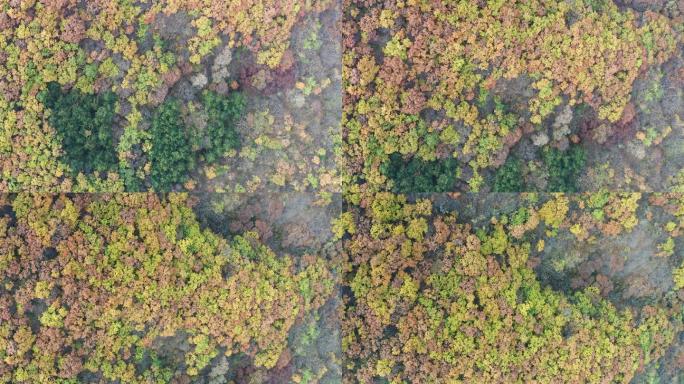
{"type": "Point", "coordinates": [341, 191]}
{"type": "Point", "coordinates": [114, 96]}
{"type": "Point", "coordinates": [511, 96]}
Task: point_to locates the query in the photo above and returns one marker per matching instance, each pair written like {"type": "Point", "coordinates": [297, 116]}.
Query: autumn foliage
{"type": "Point", "coordinates": [431, 299]}
{"type": "Point", "coordinates": [138, 52]}
{"type": "Point", "coordinates": [95, 284]}
{"type": "Point", "coordinates": [419, 76]}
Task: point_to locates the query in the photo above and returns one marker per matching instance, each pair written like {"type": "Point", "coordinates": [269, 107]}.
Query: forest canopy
{"type": "Point", "coordinates": [430, 298]}
{"type": "Point", "coordinates": [341, 192]}
{"type": "Point", "coordinates": [479, 81]}
{"type": "Point", "coordinates": [84, 126]}
{"type": "Point", "coordinates": [94, 285]}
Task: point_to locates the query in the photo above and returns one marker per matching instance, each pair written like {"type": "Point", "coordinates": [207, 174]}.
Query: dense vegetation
{"type": "Point", "coordinates": [84, 125]}
{"type": "Point", "coordinates": [178, 146]}
{"type": "Point", "coordinates": [137, 51]}
{"type": "Point", "coordinates": [101, 284]}
{"type": "Point", "coordinates": [223, 113]}
{"type": "Point", "coordinates": [509, 177]}
{"type": "Point", "coordinates": [418, 175]}
{"type": "Point", "coordinates": [432, 300]}
{"type": "Point", "coordinates": [108, 285]}
{"type": "Point", "coordinates": [421, 78]}
{"type": "Point", "coordinates": [560, 168]}
{"type": "Point", "coordinates": [563, 167]}
{"type": "Point", "coordinates": [419, 281]}
{"type": "Point", "coordinates": [171, 154]}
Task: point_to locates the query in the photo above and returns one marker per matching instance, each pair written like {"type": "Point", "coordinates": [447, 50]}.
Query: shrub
{"type": "Point", "coordinates": [418, 175]}
{"type": "Point", "coordinates": [171, 154]}
{"type": "Point", "coordinates": [84, 125]}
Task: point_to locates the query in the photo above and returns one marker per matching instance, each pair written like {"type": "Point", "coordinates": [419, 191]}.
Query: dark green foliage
{"type": "Point", "coordinates": [222, 114]}
{"type": "Point", "coordinates": [171, 154]}
{"type": "Point", "coordinates": [509, 177]}
{"type": "Point", "coordinates": [563, 168]}
{"type": "Point", "coordinates": [418, 175]}
{"type": "Point", "coordinates": [84, 125]}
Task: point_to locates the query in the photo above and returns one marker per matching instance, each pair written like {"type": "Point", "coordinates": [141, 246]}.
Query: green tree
{"type": "Point", "coordinates": [418, 175]}
{"type": "Point", "coordinates": [84, 125]}
{"type": "Point", "coordinates": [171, 154]}
{"type": "Point", "coordinates": [222, 115]}
{"type": "Point", "coordinates": [509, 178]}
{"type": "Point", "coordinates": [564, 167]}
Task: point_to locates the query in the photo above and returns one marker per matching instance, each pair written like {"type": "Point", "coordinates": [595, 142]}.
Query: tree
{"type": "Point", "coordinates": [564, 167]}
{"type": "Point", "coordinates": [171, 155]}
{"type": "Point", "coordinates": [84, 125]}
{"type": "Point", "coordinates": [458, 305]}
{"type": "Point", "coordinates": [126, 273]}
{"type": "Point", "coordinates": [223, 113]}
{"type": "Point", "coordinates": [418, 175]}
{"type": "Point", "coordinates": [509, 178]}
